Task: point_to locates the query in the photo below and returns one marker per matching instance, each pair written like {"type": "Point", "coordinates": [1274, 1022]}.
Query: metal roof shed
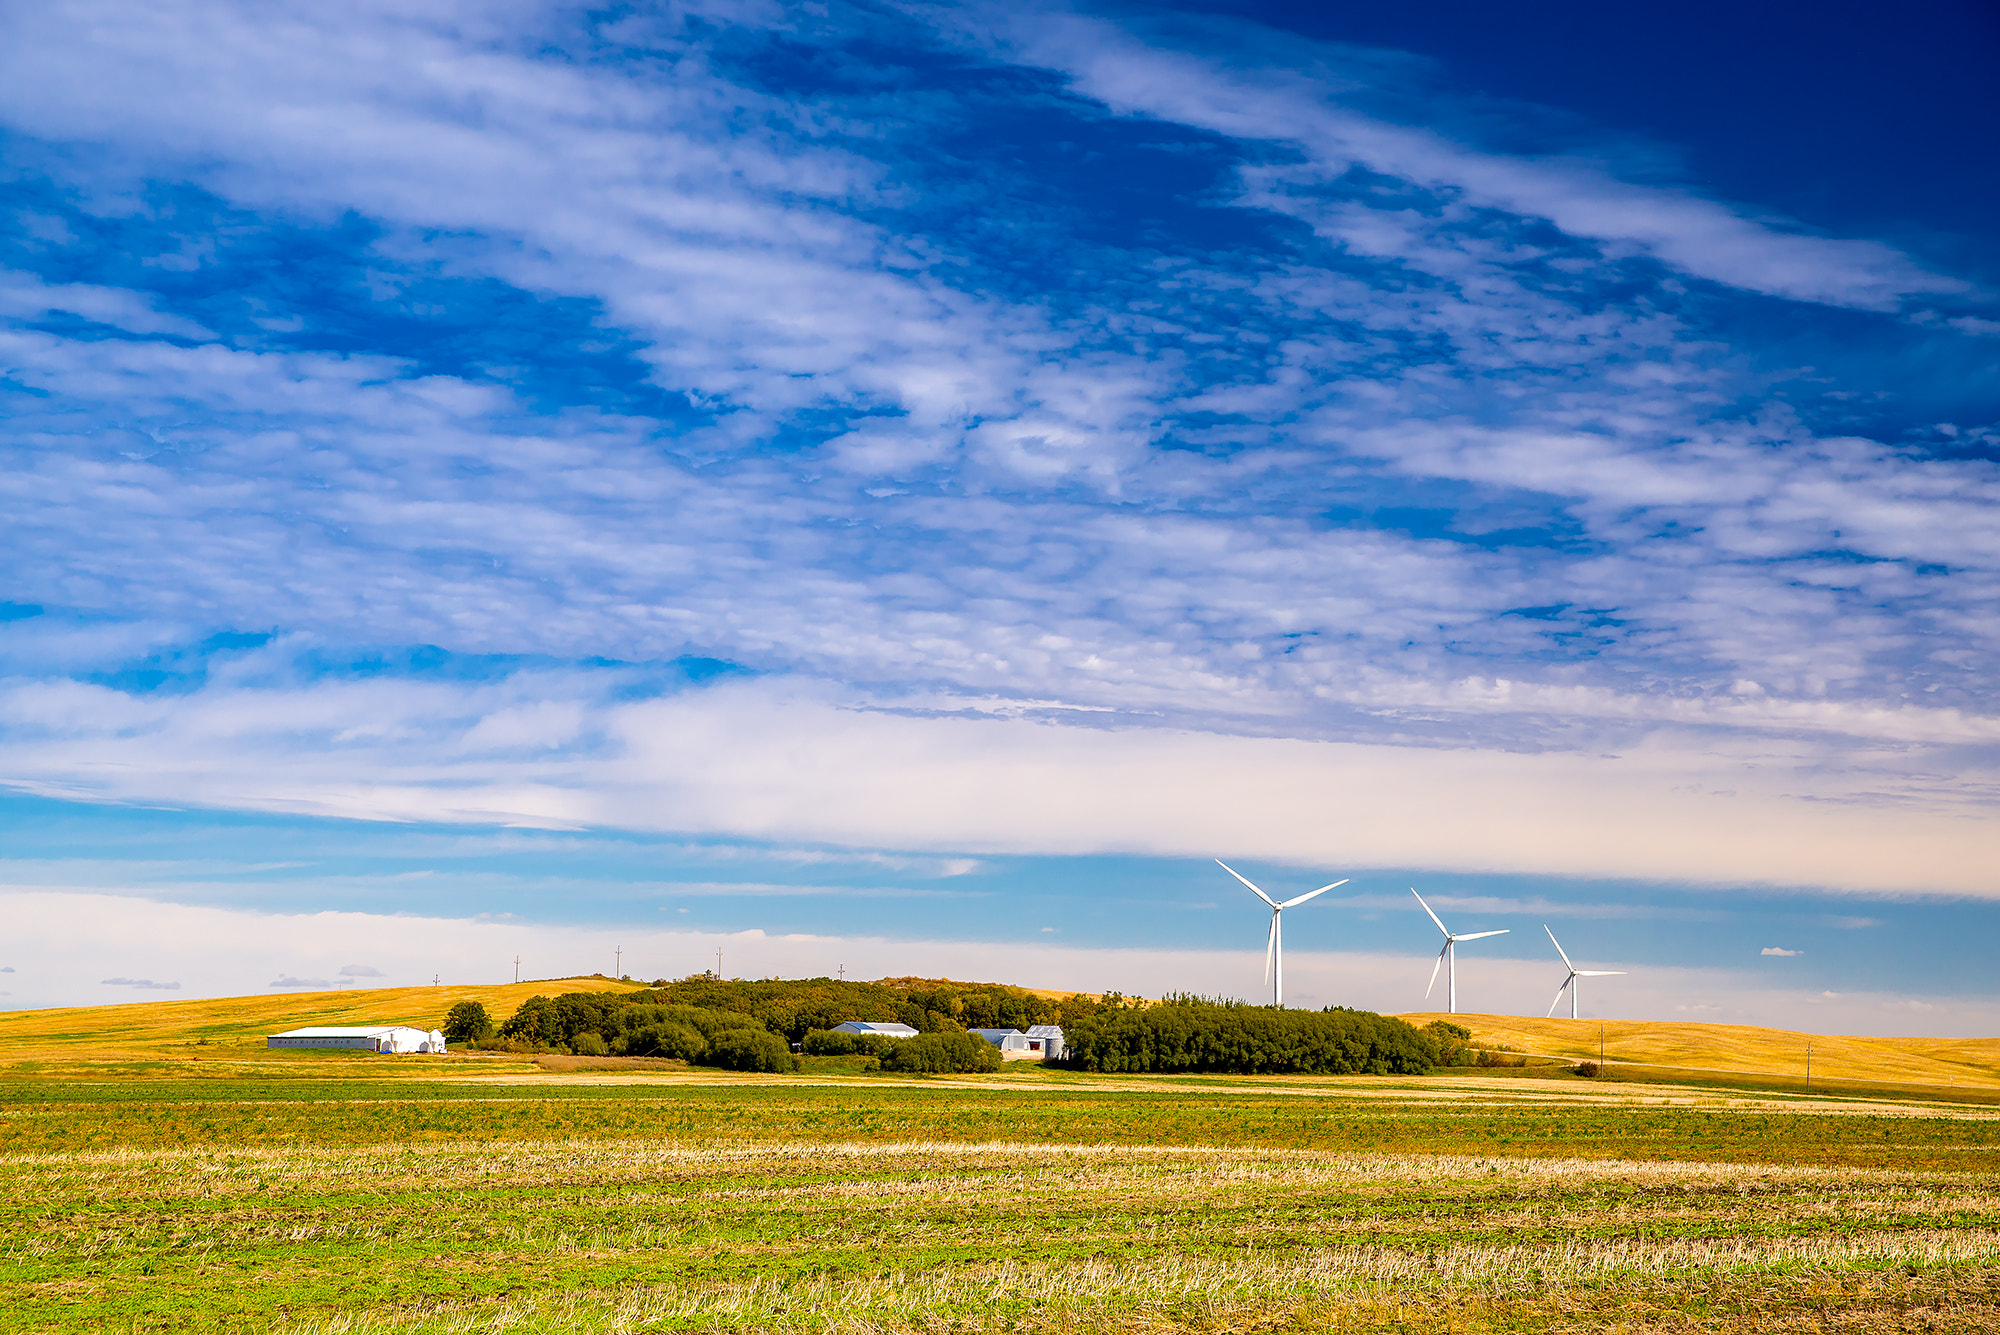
{"type": "Point", "coordinates": [1007, 1040]}
{"type": "Point", "coordinates": [382, 1038]}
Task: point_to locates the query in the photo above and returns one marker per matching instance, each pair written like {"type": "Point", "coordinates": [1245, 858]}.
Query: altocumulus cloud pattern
{"type": "Point", "coordinates": [973, 427]}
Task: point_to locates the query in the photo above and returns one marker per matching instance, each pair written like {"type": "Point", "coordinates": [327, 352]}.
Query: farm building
{"type": "Point", "coordinates": [1009, 1041]}
{"type": "Point", "coordinates": [888, 1030]}
{"type": "Point", "coordinates": [361, 1038]}
{"type": "Point", "coordinates": [1047, 1040]}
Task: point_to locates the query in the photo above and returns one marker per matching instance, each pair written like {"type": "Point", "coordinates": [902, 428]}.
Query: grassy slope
{"type": "Point", "coordinates": [1736, 1047]}
{"type": "Point", "coordinates": [160, 1028]}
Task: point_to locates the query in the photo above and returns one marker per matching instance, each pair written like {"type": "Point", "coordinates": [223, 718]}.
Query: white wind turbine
{"type": "Point", "coordinates": [1448, 958]}
{"type": "Point", "coordinates": [1569, 983]}
{"type": "Point", "coordinates": [1274, 949]}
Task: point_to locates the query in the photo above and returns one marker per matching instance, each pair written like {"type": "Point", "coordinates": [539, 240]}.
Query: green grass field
{"type": "Point", "coordinates": [154, 1181]}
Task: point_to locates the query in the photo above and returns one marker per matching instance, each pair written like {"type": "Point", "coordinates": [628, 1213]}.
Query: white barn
{"type": "Point", "coordinates": [383, 1038]}
{"type": "Point", "coordinates": [1009, 1041]}
{"type": "Point", "coordinates": [888, 1030]}
{"type": "Point", "coordinates": [1046, 1040]}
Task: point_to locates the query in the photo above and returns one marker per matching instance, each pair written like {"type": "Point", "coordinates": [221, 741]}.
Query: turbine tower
{"type": "Point", "coordinates": [1448, 958]}
{"type": "Point", "coordinates": [1569, 983]}
{"type": "Point", "coordinates": [1274, 949]}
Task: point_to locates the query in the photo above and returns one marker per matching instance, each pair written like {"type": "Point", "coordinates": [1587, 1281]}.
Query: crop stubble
{"type": "Point", "coordinates": [747, 1206]}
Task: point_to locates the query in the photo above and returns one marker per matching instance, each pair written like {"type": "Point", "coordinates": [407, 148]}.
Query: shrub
{"type": "Point", "coordinates": [941, 1054]}
{"type": "Point", "coordinates": [839, 1043]}
{"type": "Point", "coordinates": [1449, 1043]}
{"type": "Point", "coordinates": [666, 1040]}
{"type": "Point", "coordinates": [467, 1022]}
{"type": "Point", "coordinates": [589, 1043]}
{"type": "Point", "coordinates": [1587, 1069]}
{"type": "Point", "coordinates": [1496, 1059]}
{"type": "Point", "coordinates": [1197, 1035]}
{"type": "Point", "coordinates": [750, 1050]}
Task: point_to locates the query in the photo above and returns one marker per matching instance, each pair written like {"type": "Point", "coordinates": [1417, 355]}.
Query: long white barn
{"type": "Point", "coordinates": [384, 1038]}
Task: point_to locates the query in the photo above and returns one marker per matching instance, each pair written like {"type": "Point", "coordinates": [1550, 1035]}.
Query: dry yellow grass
{"type": "Point", "coordinates": [158, 1028]}
{"type": "Point", "coordinates": [1966, 1062]}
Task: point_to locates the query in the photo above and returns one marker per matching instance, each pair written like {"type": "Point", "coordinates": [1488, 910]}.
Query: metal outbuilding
{"type": "Point", "coordinates": [1046, 1040]}
{"type": "Point", "coordinates": [385, 1038]}
{"type": "Point", "coordinates": [1009, 1041]}
{"type": "Point", "coordinates": [888, 1030]}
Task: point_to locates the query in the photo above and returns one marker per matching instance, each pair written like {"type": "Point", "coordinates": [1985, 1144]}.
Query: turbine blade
{"type": "Point", "coordinates": [1271, 947]}
{"type": "Point", "coordinates": [1434, 972]}
{"type": "Point", "coordinates": [1253, 889]}
{"type": "Point", "coordinates": [1559, 948]}
{"type": "Point", "coordinates": [1474, 936]}
{"type": "Point", "coordinates": [1599, 973]}
{"type": "Point", "coordinates": [1310, 893]}
{"type": "Point", "coordinates": [1559, 995]}
{"type": "Point", "coordinates": [1427, 909]}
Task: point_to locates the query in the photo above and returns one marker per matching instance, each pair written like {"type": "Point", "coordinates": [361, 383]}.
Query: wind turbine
{"type": "Point", "coordinates": [1569, 983]}
{"type": "Point", "coordinates": [1274, 949]}
{"type": "Point", "coordinates": [1448, 958]}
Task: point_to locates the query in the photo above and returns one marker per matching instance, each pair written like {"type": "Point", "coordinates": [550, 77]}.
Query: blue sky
{"type": "Point", "coordinates": [906, 477]}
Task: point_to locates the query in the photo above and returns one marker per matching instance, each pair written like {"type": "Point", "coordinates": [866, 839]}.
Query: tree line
{"type": "Point", "coordinates": [1191, 1034]}
{"type": "Point", "coordinates": [751, 1027]}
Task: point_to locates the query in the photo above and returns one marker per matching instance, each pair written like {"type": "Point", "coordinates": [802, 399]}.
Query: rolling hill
{"type": "Point", "coordinates": [1964, 1062]}
{"type": "Point", "coordinates": [156, 1028]}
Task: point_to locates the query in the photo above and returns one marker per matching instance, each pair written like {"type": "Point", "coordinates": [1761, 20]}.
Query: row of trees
{"type": "Point", "coordinates": [750, 1026]}
{"type": "Point", "coordinates": [796, 1007]}
{"type": "Point", "coordinates": [935, 1054]}
{"type": "Point", "coordinates": [1198, 1034]}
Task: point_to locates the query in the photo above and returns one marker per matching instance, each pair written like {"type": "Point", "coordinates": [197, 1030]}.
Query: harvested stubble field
{"type": "Point", "coordinates": [163, 1183]}
{"type": "Point", "coordinates": [477, 1195]}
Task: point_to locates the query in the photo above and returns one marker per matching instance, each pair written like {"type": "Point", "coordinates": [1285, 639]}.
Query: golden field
{"type": "Point", "coordinates": [158, 1028]}
{"type": "Point", "coordinates": [1741, 1048]}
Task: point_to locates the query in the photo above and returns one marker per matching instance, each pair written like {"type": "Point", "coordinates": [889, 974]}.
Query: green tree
{"type": "Point", "coordinates": [942, 1054]}
{"type": "Point", "coordinates": [468, 1022]}
{"type": "Point", "coordinates": [750, 1050]}
{"type": "Point", "coordinates": [1193, 1034]}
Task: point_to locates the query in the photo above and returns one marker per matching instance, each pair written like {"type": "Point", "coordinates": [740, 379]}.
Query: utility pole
{"type": "Point", "coordinates": [1808, 1068]}
{"type": "Point", "coordinates": [517, 968]}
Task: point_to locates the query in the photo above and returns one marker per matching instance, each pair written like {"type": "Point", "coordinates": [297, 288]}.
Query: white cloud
{"type": "Point", "coordinates": [24, 295]}
{"type": "Point", "coordinates": [1240, 85]}
{"type": "Point", "coordinates": [791, 761]}
{"type": "Point", "coordinates": [1780, 950]}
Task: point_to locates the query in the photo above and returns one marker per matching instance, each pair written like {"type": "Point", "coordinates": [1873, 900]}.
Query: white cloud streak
{"type": "Point", "coordinates": [1142, 73]}
{"type": "Point", "coordinates": [791, 761]}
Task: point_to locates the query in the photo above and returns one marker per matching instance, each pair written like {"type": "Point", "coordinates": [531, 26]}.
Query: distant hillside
{"type": "Point", "coordinates": [1967, 1062]}
{"type": "Point", "coordinates": [151, 1028]}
